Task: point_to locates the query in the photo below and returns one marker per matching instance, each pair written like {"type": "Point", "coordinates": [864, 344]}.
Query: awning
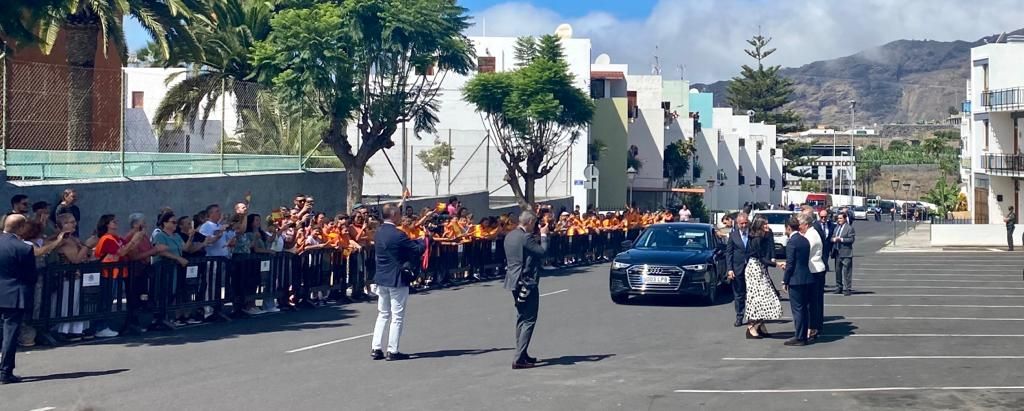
{"type": "Point", "coordinates": [607, 75]}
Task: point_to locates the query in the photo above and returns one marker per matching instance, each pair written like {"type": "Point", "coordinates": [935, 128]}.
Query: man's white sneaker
{"type": "Point", "coordinates": [106, 333]}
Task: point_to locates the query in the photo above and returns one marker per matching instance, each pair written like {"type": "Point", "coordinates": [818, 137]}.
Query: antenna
{"type": "Point", "coordinates": [682, 71]}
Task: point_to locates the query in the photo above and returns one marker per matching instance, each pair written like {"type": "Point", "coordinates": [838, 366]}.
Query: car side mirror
{"type": "Point", "coordinates": [626, 245]}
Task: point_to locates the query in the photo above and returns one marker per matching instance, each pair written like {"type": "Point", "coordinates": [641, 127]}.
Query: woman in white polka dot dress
{"type": "Point", "coordinates": [762, 298]}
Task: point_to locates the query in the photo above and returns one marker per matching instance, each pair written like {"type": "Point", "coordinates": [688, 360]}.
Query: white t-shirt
{"type": "Point", "coordinates": [685, 214]}
{"type": "Point", "coordinates": [816, 264]}
{"type": "Point", "coordinates": [218, 248]}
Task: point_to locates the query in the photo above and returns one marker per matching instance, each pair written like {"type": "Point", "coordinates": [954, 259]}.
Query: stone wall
{"type": "Point", "coordinates": [890, 131]}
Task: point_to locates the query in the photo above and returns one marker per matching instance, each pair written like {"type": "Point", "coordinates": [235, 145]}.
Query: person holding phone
{"type": "Point", "coordinates": [523, 253]}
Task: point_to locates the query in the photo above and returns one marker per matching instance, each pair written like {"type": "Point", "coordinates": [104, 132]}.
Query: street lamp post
{"type": "Point", "coordinates": [853, 106]}
{"type": "Point", "coordinates": [631, 175]}
{"type": "Point", "coordinates": [895, 186]}
{"type": "Point", "coordinates": [711, 203]}
{"type": "Point", "coordinates": [906, 218]}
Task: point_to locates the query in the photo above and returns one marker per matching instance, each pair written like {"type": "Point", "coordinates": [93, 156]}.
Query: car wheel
{"type": "Point", "coordinates": [711, 296]}
{"type": "Point", "coordinates": [620, 298]}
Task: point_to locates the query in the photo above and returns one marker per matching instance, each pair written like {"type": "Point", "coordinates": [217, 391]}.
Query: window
{"type": "Point", "coordinates": [743, 142]}
{"type": "Point", "coordinates": [815, 172]}
{"type": "Point", "coordinates": [984, 74]}
{"type": "Point", "coordinates": [985, 125]}
{"type": "Point", "coordinates": [597, 88]}
{"type": "Point", "coordinates": [485, 64]}
{"type": "Point", "coordinates": [757, 181]}
{"type": "Point", "coordinates": [828, 172]}
{"type": "Point", "coordinates": [773, 152]}
{"type": "Point", "coordinates": [137, 99]}
{"type": "Point", "coordinates": [759, 145]}
{"type": "Point", "coordinates": [665, 105]}
{"type": "Point", "coordinates": [634, 112]}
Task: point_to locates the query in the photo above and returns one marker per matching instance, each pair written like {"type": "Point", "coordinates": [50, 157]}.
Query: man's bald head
{"type": "Point", "coordinates": [14, 222]}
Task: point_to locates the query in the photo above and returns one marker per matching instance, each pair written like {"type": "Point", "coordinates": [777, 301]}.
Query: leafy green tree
{"type": "Point", "coordinates": [525, 51]}
{"type": "Point", "coordinates": [763, 89]}
{"type": "Point", "coordinates": [677, 161]}
{"type": "Point", "coordinates": [436, 159]}
{"type": "Point", "coordinates": [810, 185]}
{"type": "Point", "coordinates": [534, 113]}
{"type": "Point", "coordinates": [943, 195]}
{"type": "Point", "coordinates": [90, 25]}
{"type": "Point", "coordinates": [364, 63]}
{"type": "Point", "coordinates": [219, 67]}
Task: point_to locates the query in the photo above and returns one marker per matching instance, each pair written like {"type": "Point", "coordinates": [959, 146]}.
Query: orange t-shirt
{"type": "Point", "coordinates": [106, 250]}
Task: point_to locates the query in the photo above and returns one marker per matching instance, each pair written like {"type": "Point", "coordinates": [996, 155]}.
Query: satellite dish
{"type": "Point", "coordinates": [564, 31]}
{"type": "Point", "coordinates": [603, 59]}
{"type": "Point", "coordinates": [694, 91]}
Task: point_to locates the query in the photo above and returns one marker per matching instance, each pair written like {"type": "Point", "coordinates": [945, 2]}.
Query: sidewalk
{"type": "Point", "coordinates": [918, 240]}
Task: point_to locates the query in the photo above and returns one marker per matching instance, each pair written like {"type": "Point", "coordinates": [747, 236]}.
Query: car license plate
{"type": "Point", "coordinates": [656, 279]}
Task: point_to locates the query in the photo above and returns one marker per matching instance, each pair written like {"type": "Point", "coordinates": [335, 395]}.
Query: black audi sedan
{"type": "Point", "coordinates": [681, 259]}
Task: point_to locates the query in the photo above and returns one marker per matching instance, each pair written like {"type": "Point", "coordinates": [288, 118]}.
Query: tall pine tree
{"type": "Point", "coordinates": [763, 89]}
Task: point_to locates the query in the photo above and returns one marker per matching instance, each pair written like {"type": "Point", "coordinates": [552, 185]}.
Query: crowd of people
{"type": "Point", "coordinates": [813, 238]}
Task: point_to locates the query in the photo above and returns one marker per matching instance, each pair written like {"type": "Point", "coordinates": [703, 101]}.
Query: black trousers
{"type": "Point", "coordinates": [10, 319]}
{"type": "Point", "coordinates": [526, 320]}
{"type": "Point", "coordinates": [739, 294]}
{"type": "Point", "coordinates": [818, 303]}
{"type": "Point", "coordinates": [1009, 238]}
{"type": "Point", "coordinates": [800, 297]}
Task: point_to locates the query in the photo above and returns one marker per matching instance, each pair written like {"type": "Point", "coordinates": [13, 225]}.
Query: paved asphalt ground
{"type": "Point", "coordinates": [925, 331]}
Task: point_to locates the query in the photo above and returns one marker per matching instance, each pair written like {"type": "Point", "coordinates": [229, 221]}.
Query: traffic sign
{"type": "Point", "coordinates": [591, 172]}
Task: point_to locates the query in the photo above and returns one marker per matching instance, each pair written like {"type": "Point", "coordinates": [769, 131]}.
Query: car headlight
{"type": "Point", "coordinates": [696, 267]}
{"type": "Point", "coordinates": [619, 266]}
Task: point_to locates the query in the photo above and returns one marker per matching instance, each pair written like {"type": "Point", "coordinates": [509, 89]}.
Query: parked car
{"type": "Point", "coordinates": [677, 259]}
{"type": "Point", "coordinates": [860, 213]}
{"type": "Point", "coordinates": [777, 222]}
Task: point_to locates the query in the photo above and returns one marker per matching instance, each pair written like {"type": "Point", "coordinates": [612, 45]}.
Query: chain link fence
{"type": "Point", "coordinates": [65, 123]}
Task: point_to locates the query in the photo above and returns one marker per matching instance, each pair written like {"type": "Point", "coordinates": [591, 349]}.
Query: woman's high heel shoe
{"type": "Point", "coordinates": [752, 336]}
{"type": "Point", "coordinates": [762, 331]}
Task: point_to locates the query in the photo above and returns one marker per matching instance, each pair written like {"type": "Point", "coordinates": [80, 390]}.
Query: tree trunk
{"type": "Point", "coordinates": [529, 184]}
{"type": "Point", "coordinates": [354, 177]}
{"type": "Point", "coordinates": [81, 55]}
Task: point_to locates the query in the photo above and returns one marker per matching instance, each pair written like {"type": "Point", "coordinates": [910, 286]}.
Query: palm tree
{"type": "Point", "coordinates": [88, 24]}
{"type": "Point", "coordinates": [221, 65]}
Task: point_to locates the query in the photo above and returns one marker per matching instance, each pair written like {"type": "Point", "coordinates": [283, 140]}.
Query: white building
{"type": "Point", "coordinates": [145, 88]}
{"type": "Point", "coordinates": [476, 165]}
{"type": "Point", "coordinates": [992, 153]}
{"type": "Point", "coordinates": [834, 169]}
{"type": "Point", "coordinates": [741, 161]}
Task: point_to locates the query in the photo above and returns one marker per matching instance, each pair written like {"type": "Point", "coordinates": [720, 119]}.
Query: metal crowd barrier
{"type": "Point", "coordinates": [118, 293]}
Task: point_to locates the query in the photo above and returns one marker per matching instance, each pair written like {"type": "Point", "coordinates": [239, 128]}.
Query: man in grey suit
{"type": "Point", "coordinates": [17, 283]}
{"type": "Point", "coordinates": [842, 242]}
{"type": "Point", "coordinates": [523, 253]}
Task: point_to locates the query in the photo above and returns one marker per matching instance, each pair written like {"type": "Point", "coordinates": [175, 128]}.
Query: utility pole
{"type": "Point", "coordinates": [853, 158]}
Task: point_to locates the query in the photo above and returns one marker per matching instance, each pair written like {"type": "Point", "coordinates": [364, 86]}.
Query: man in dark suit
{"type": "Point", "coordinates": [17, 286]}
{"type": "Point", "coordinates": [736, 256]}
{"type": "Point", "coordinates": [825, 228]}
{"type": "Point", "coordinates": [523, 254]}
{"type": "Point", "coordinates": [798, 281]}
{"type": "Point", "coordinates": [842, 241]}
{"type": "Point", "coordinates": [394, 252]}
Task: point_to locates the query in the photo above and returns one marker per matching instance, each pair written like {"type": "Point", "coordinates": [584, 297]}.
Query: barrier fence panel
{"type": "Point", "coordinates": [116, 294]}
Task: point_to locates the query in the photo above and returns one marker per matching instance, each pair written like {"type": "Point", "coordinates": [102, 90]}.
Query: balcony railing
{"type": "Point", "coordinates": [1004, 164]}
{"type": "Point", "coordinates": [1003, 99]}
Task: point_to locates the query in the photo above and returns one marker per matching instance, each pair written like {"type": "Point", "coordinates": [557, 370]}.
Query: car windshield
{"type": "Point", "coordinates": [674, 238]}
{"type": "Point", "coordinates": [775, 218]}
{"type": "Point", "coordinates": [859, 209]}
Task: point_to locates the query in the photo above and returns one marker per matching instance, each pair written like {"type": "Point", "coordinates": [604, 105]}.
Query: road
{"type": "Point", "coordinates": [924, 331]}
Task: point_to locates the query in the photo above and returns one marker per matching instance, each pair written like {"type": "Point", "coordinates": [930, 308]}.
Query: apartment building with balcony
{"type": "Point", "coordinates": [992, 160]}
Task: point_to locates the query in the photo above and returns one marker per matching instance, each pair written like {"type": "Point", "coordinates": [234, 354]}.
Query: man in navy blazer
{"type": "Point", "coordinates": [798, 281]}
{"type": "Point", "coordinates": [17, 286]}
{"type": "Point", "coordinates": [736, 255]}
{"type": "Point", "coordinates": [394, 252]}
{"type": "Point", "coordinates": [826, 228]}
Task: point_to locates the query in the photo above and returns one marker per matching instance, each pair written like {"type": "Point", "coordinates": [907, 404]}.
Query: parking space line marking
{"type": "Point", "coordinates": [934, 318]}
{"type": "Point", "coordinates": [899, 265]}
{"type": "Point", "coordinates": [865, 389]}
{"type": "Point", "coordinates": [946, 287]}
{"type": "Point", "coordinates": [940, 295]}
{"type": "Point", "coordinates": [897, 357]}
{"type": "Point", "coordinates": [328, 343]}
{"type": "Point", "coordinates": [44, 409]}
{"type": "Point", "coordinates": [946, 275]}
{"type": "Point", "coordinates": [926, 305]}
{"type": "Point", "coordinates": [554, 292]}
{"type": "Point", "coordinates": [943, 281]}
{"type": "Point", "coordinates": [925, 335]}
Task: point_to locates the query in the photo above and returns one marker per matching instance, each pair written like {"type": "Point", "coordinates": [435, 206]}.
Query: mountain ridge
{"type": "Point", "coordinates": [903, 81]}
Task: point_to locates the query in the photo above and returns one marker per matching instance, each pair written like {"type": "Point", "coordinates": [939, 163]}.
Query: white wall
{"type": "Point", "coordinates": [971, 235]}
{"type": "Point", "coordinates": [647, 132]}
{"type": "Point", "coordinates": [468, 131]}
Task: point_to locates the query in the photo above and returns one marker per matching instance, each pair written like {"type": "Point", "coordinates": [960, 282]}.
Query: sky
{"type": "Point", "coordinates": [705, 38]}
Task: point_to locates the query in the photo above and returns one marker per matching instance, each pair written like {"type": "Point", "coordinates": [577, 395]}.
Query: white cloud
{"type": "Point", "coordinates": [708, 36]}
